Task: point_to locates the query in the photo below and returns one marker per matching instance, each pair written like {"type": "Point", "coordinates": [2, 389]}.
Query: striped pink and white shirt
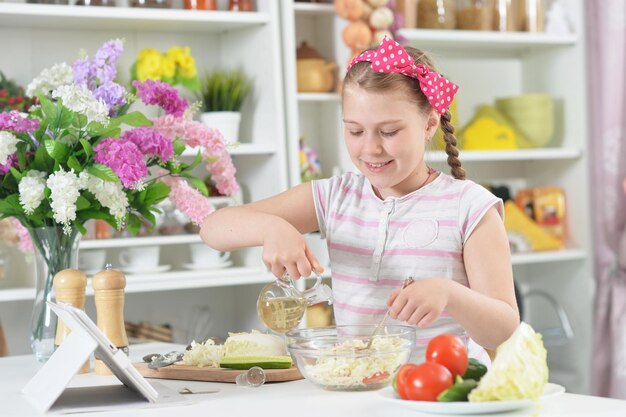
{"type": "Point", "coordinates": [375, 244]}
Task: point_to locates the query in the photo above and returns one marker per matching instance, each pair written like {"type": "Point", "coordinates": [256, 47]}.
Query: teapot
{"type": "Point", "coordinates": [281, 305]}
{"type": "Point", "coordinates": [315, 75]}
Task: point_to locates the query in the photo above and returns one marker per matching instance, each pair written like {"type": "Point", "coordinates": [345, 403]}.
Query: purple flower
{"type": "Point", "coordinates": [11, 162]}
{"type": "Point", "coordinates": [124, 158]}
{"type": "Point", "coordinates": [106, 58]}
{"type": "Point", "coordinates": [161, 94]}
{"type": "Point", "coordinates": [14, 121]}
{"type": "Point", "coordinates": [84, 73]}
{"type": "Point", "coordinates": [150, 142]}
{"type": "Point", "coordinates": [111, 93]}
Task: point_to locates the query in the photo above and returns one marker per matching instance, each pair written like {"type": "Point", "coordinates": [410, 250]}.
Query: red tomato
{"type": "Point", "coordinates": [401, 379]}
{"type": "Point", "coordinates": [449, 351]}
{"type": "Point", "coordinates": [426, 381]}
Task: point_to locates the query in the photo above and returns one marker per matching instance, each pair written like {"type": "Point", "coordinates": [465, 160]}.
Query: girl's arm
{"type": "Point", "coordinates": [487, 310]}
{"type": "Point", "coordinates": [276, 223]}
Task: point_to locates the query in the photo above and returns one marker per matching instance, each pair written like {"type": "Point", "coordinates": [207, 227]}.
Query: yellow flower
{"type": "Point", "coordinates": [149, 65]}
{"type": "Point", "coordinates": [168, 67]}
{"type": "Point", "coordinates": [177, 53]}
{"type": "Point", "coordinates": [188, 67]}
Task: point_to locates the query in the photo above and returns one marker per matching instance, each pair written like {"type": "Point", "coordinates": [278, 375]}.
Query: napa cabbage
{"type": "Point", "coordinates": [520, 369]}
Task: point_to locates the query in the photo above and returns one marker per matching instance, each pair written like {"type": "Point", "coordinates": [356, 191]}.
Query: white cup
{"type": "Point", "coordinates": [140, 257]}
{"type": "Point", "coordinates": [92, 259]}
{"type": "Point", "coordinates": [203, 255]}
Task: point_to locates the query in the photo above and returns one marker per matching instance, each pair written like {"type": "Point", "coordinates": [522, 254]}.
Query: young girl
{"type": "Point", "coordinates": [395, 219]}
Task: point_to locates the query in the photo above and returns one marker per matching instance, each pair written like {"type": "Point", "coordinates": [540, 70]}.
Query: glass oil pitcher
{"type": "Point", "coordinates": [281, 305]}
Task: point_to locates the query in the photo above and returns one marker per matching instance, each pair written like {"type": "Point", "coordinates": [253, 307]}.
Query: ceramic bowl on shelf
{"type": "Point", "coordinates": [531, 114]}
{"type": "Point", "coordinates": [334, 357]}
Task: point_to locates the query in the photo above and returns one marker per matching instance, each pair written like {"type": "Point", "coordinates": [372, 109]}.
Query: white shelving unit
{"type": "Point", "coordinates": [486, 65]}
{"type": "Point", "coordinates": [46, 34]}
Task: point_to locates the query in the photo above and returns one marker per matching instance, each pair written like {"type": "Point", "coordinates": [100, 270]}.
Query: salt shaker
{"type": "Point", "coordinates": [69, 287]}
{"type": "Point", "coordinates": [108, 286]}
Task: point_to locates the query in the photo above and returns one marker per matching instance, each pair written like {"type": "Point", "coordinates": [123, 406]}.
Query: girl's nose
{"type": "Point", "coordinates": [372, 143]}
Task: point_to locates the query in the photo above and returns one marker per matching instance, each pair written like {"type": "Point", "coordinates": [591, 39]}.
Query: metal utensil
{"type": "Point", "coordinates": [406, 283]}
{"type": "Point", "coordinates": [161, 361]}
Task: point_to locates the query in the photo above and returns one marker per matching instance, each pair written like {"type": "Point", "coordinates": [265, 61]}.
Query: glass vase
{"type": "Point", "coordinates": [54, 252]}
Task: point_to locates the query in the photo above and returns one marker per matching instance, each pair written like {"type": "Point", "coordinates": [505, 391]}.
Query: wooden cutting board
{"type": "Point", "coordinates": [193, 373]}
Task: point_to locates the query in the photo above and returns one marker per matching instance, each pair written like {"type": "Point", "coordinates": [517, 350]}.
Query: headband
{"type": "Point", "coordinates": [390, 57]}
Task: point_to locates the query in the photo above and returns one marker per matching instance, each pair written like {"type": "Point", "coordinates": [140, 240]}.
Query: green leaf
{"type": "Point", "coordinates": [95, 214]}
{"type": "Point", "coordinates": [17, 174]}
{"type": "Point", "coordinates": [80, 120]}
{"type": "Point", "coordinates": [43, 162]}
{"type": "Point", "coordinates": [63, 119]}
{"type": "Point", "coordinates": [21, 155]}
{"type": "Point", "coordinates": [49, 109]}
{"type": "Point", "coordinates": [80, 228]}
{"type": "Point", "coordinates": [57, 150]}
{"type": "Point", "coordinates": [13, 203]}
{"type": "Point", "coordinates": [198, 184]}
{"type": "Point", "coordinates": [179, 147]}
{"type": "Point", "coordinates": [82, 203]}
{"type": "Point", "coordinates": [103, 172]}
{"type": "Point", "coordinates": [148, 215]}
{"type": "Point", "coordinates": [156, 192]}
{"type": "Point", "coordinates": [134, 119]}
{"type": "Point", "coordinates": [87, 147]}
{"type": "Point", "coordinates": [73, 163]}
{"type": "Point", "coordinates": [134, 224]}
{"type": "Point", "coordinates": [192, 84]}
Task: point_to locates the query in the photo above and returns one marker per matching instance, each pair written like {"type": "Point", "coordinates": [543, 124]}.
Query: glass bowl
{"type": "Point", "coordinates": [335, 357]}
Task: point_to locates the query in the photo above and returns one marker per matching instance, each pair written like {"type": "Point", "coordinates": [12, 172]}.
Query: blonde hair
{"type": "Point", "coordinates": [360, 74]}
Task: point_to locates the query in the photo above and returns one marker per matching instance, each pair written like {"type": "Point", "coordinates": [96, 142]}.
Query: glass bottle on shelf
{"type": "Point", "coordinates": [108, 3]}
{"type": "Point", "coordinates": [436, 14]}
{"type": "Point", "coordinates": [533, 12]}
{"type": "Point", "coordinates": [475, 14]}
{"type": "Point", "coordinates": [200, 4]}
{"type": "Point", "coordinates": [507, 16]}
{"type": "Point", "coordinates": [152, 4]}
{"type": "Point", "coordinates": [240, 5]}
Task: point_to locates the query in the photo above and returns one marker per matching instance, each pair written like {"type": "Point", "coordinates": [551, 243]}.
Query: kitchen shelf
{"type": "Point", "coordinates": [172, 280]}
{"type": "Point", "coordinates": [42, 16]}
{"type": "Point", "coordinates": [313, 8]}
{"type": "Point", "coordinates": [242, 149]}
{"type": "Point", "coordinates": [543, 154]}
{"type": "Point", "coordinates": [548, 256]}
{"type": "Point", "coordinates": [126, 242]}
{"type": "Point", "coordinates": [319, 97]}
{"type": "Point", "coordinates": [493, 42]}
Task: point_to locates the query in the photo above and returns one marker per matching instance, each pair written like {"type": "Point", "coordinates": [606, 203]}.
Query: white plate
{"type": "Point", "coordinates": [196, 267]}
{"type": "Point", "coordinates": [145, 269]}
{"type": "Point", "coordinates": [388, 394]}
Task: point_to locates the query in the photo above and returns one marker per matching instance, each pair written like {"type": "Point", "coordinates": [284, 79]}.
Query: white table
{"type": "Point", "coordinates": [293, 399]}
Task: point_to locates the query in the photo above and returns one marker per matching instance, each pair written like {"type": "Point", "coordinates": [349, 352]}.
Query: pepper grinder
{"type": "Point", "coordinates": [108, 286]}
{"type": "Point", "coordinates": [69, 287]}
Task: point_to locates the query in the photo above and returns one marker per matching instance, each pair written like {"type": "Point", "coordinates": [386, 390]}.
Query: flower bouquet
{"type": "Point", "coordinates": [82, 154]}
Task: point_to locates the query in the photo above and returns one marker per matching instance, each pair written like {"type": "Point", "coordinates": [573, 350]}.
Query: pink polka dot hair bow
{"type": "Point", "coordinates": [391, 57]}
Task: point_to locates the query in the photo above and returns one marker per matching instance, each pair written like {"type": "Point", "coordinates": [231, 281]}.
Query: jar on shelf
{"type": "Point", "coordinates": [532, 12]}
{"type": "Point", "coordinates": [508, 15]}
{"type": "Point", "coordinates": [240, 5]}
{"type": "Point", "coordinates": [475, 14]}
{"type": "Point", "coordinates": [106, 3]}
{"type": "Point", "coordinates": [152, 4]}
{"type": "Point", "coordinates": [436, 14]}
{"type": "Point", "coordinates": [200, 4]}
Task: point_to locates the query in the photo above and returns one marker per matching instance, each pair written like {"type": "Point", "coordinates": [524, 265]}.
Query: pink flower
{"type": "Point", "coordinates": [25, 244]}
{"type": "Point", "coordinates": [220, 164]}
{"type": "Point", "coordinates": [188, 200]}
{"type": "Point", "coordinates": [161, 94]}
{"type": "Point", "coordinates": [150, 142]}
{"type": "Point", "coordinates": [11, 162]}
{"type": "Point", "coordinates": [124, 158]}
{"type": "Point", "coordinates": [14, 121]}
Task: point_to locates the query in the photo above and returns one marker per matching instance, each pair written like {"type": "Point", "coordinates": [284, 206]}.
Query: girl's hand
{"type": "Point", "coordinates": [421, 303]}
{"type": "Point", "coordinates": [285, 249]}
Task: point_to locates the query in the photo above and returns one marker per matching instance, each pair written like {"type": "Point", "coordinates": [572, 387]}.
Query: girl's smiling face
{"type": "Point", "coordinates": [385, 134]}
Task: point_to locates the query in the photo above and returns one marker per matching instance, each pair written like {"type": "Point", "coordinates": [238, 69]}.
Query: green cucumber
{"type": "Point", "coordinates": [475, 370]}
{"type": "Point", "coordinates": [265, 362]}
{"type": "Point", "coordinates": [459, 391]}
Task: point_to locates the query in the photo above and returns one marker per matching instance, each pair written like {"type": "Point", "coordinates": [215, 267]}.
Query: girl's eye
{"type": "Point", "coordinates": [387, 134]}
{"type": "Point", "coordinates": [356, 132]}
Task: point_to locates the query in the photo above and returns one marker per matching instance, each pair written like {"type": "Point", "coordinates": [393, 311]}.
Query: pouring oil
{"type": "Point", "coordinates": [281, 314]}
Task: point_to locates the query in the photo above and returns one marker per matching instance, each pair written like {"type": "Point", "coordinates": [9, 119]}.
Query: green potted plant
{"type": "Point", "coordinates": [222, 93]}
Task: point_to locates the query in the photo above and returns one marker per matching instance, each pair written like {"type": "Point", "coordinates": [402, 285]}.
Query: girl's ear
{"type": "Point", "coordinates": [432, 123]}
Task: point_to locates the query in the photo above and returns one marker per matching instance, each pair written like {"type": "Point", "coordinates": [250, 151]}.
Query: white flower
{"type": "Point", "coordinates": [79, 99]}
{"type": "Point", "coordinates": [65, 190]}
{"type": "Point", "coordinates": [31, 188]}
{"type": "Point", "coordinates": [50, 79]}
{"type": "Point", "coordinates": [8, 146]}
{"type": "Point", "coordinates": [109, 193]}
